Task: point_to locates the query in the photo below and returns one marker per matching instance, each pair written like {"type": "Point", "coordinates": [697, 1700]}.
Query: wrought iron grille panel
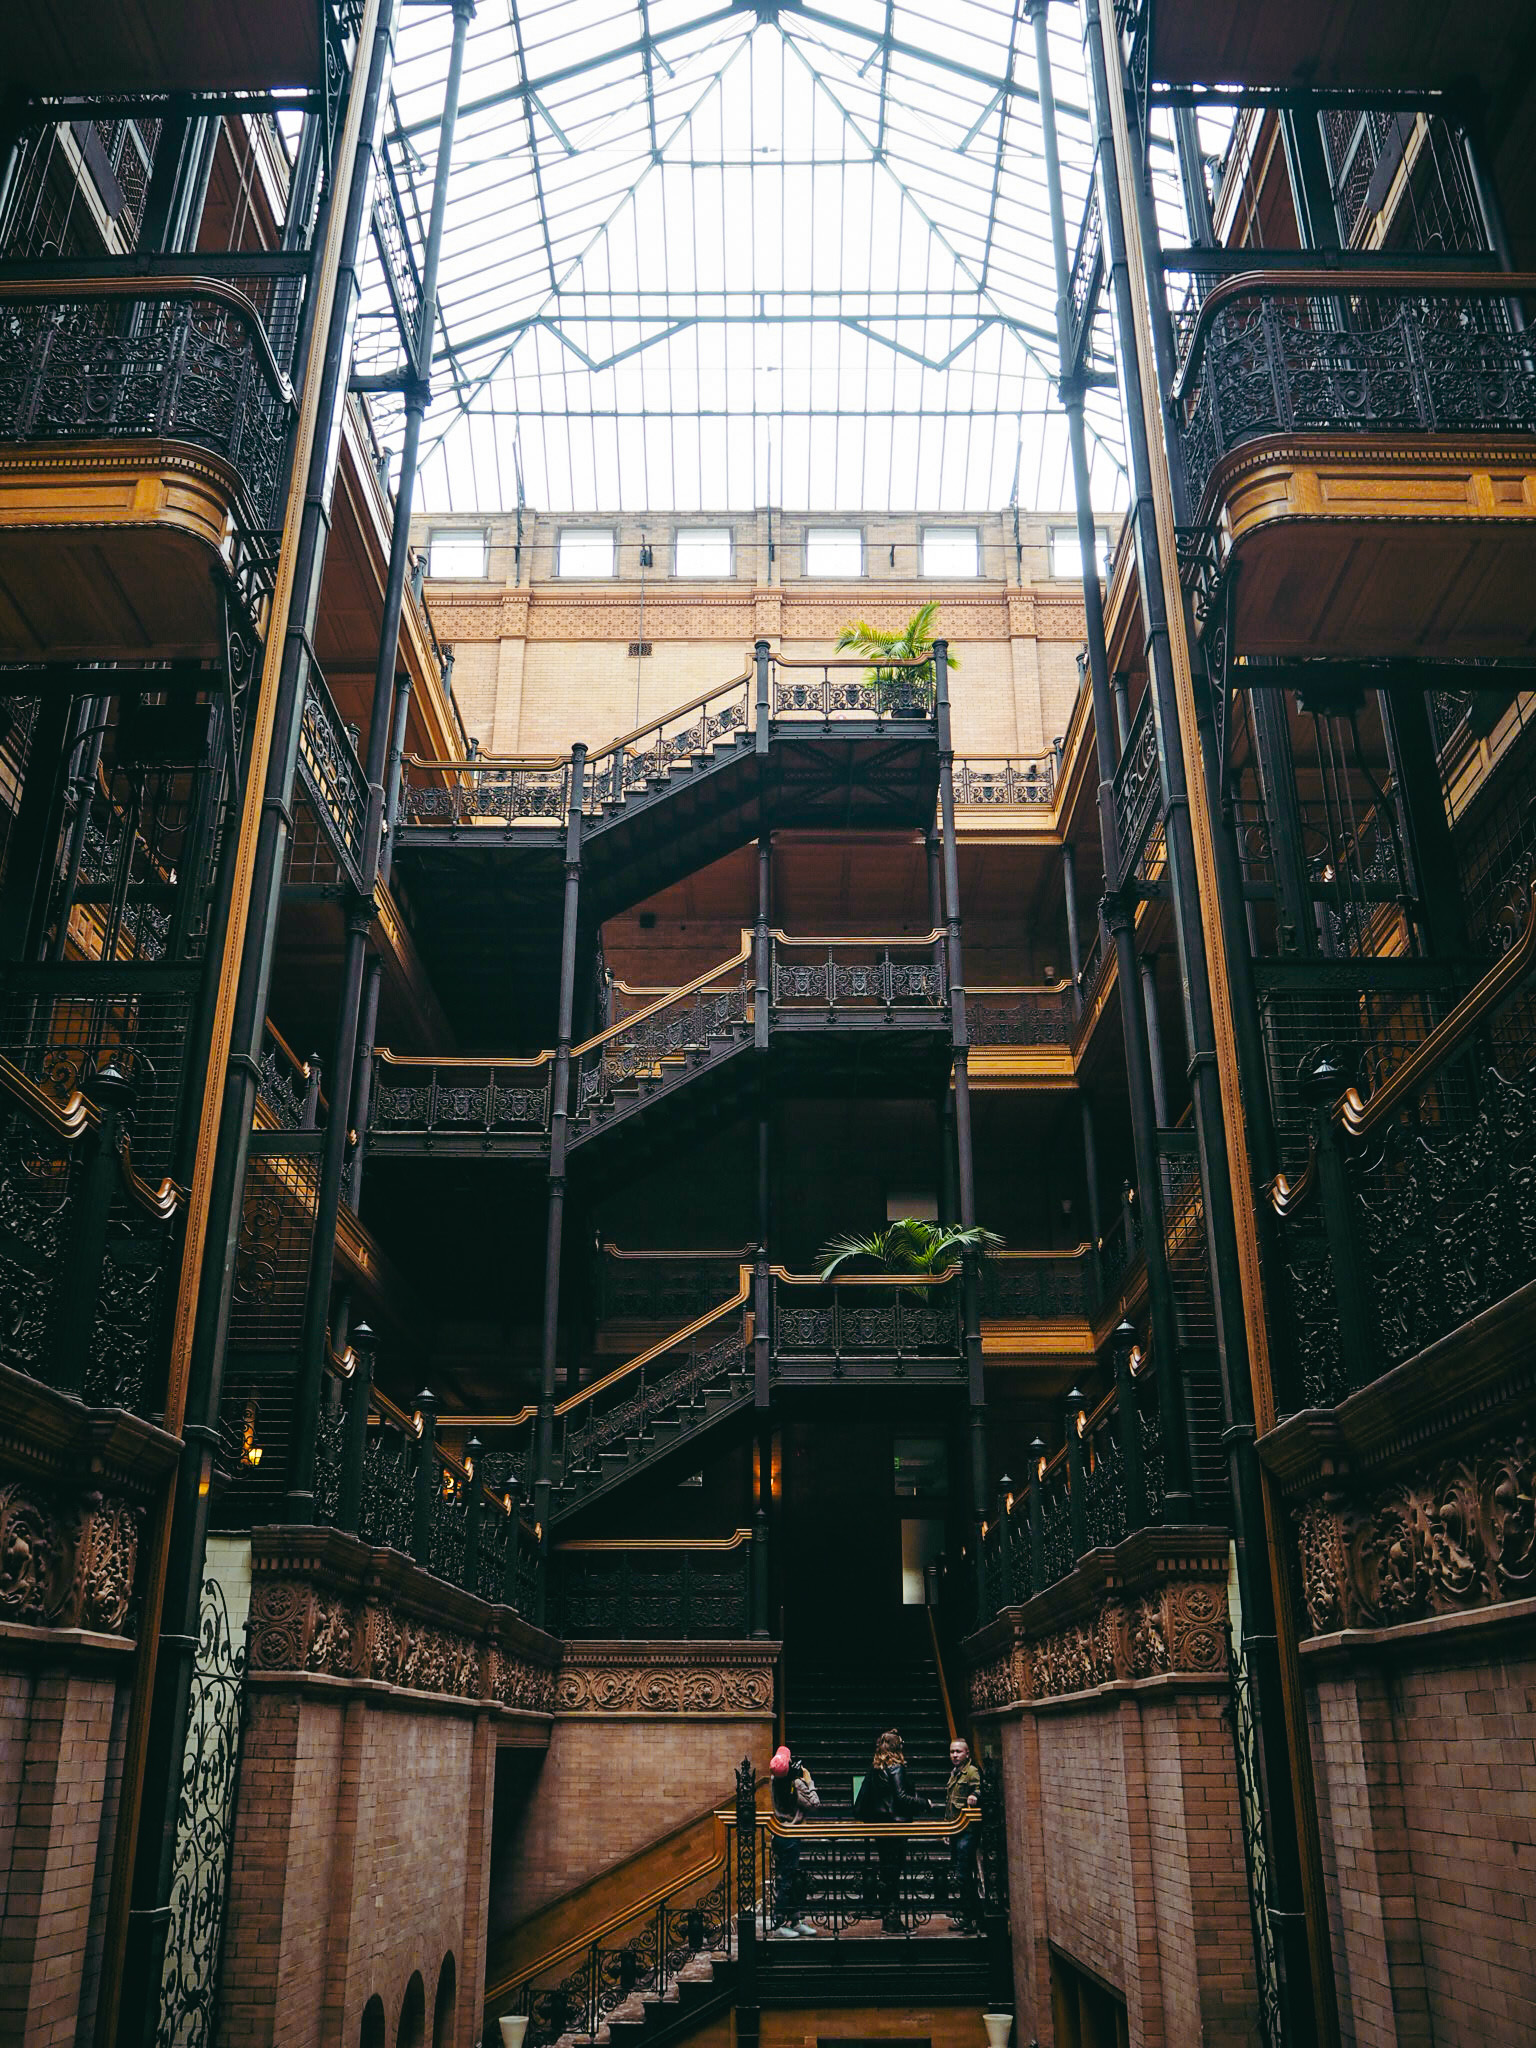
{"type": "Point", "coordinates": [1056, 1522]}
{"type": "Point", "coordinates": [847, 1321]}
{"type": "Point", "coordinates": [60, 1024]}
{"type": "Point", "coordinates": [837, 977]}
{"type": "Point", "coordinates": [652, 1593]}
{"type": "Point", "coordinates": [277, 1220]}
{"type": "Point", "coordinates": [876, 694]}
{"type": "Point", "coordinates": [460, 1096]}
{"type": "Point", "coordinates": [1040, 1016]}
{"type": "Point", "coordinates": [1104, 1498]}
{"type": "Point", "coordinates": [182, 368]}
{"type": "Point", "coordinates": [664, 1287]}
{"type": "Point", "coordinates": [332, 776]}
{"type": "Point", "coordinates": [1241, 1712]}
{"type": "Point", "coordinates": [1028, 1286]}
{"type": "Point", "coordinates": [485, 793]}
{"type": "Point", "coordinates": [205, 1820]}
{"type": "Point", "coordinates": [389, 1486]}
{"type": "Point", "coordinates": [1189, 1261]}
{"type": "Point", "coordinates": [626, 1410]}
{"type": "Point", "coordinates": [1276, 360]}
{"type": "Point", "coordinates": [1008, 784]}
{"type": "Point", "coordinates": [1138, 791]}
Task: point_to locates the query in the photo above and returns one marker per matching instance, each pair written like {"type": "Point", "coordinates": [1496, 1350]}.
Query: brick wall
{"type": "Point", "coordinates": [1125, 1853]}
{"type": "Point", "coordinates": [604, 1789]}
{"type": "Point", "coordinates": [60, 1756]}
{"type": "Point", "coordinates": [1427, 1788]}
{"type": "Point", "coordinates": [360, 1859]}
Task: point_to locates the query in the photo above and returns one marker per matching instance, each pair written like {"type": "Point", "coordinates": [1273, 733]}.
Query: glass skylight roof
{"type": "Point", "coordinates": [720, 255]}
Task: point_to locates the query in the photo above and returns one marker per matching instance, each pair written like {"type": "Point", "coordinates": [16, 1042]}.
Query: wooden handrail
{"type": "Point", "coordinates": [1249, 283]}
{"type": "Point", "coordinates": [502, 763]}
{"type": "Point", "coordinates": [70, 1118]}
{"type": "Point", "coordinates": [639, 732]}
{"type": "Point", "coordinates": [664, 1002]}
{"type": "Point", "coordinates": [857, 938]}
{"type": "Point", "coordinates": [1080, 1251]}
{"type": "Point", "coordinates": [851, 661]}
{"type": "Point", "coordinates": [734, 1251]}
{"type": "Point", "coordinates": [1360, 1117]}
{"type": "Point", "coordinates": [1027, 988]}
{"type": "Point", "coordinates": [387, 1409]}
{"type": "Point", "coordinates": [855, 1830]}
{"type": "Point", "coordinates": [864, 1279]}
{"type": "Point", "coordinates": [437, 1059]}
{"type": "Point", "coordinates": [678, 1543]}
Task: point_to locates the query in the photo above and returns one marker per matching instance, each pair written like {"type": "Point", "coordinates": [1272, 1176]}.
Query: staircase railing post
{"type": "Point", "coordinates": [509, 1587]}
{"type": "Point", "coordinates": [1036, 1518]}
{"type": "Point", "coordinates": [1077, 1477]}
{"type": "Point", "coordinates": [355, 1451]}
{"type": "Point", "coordinates": [1128, 1426]}
{"type": "Point", "coordinates": [746, 1903]}
{"type": "Point", "coordinates": [473, 1502]}
{"type": "Point", "coordinates": [426, 1477]}
{"type": "Point", "coordinates": [760, 726]}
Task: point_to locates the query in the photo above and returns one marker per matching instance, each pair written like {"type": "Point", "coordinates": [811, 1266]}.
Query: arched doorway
{"type": "Point", "coordinates": [443, 2004]}
{"type": "Point", "coordinates": [412, 2030]}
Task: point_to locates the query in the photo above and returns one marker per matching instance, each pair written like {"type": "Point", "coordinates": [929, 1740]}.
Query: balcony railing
{"type": "Point", "coordinates": [1413, 1212]}
{"type": "Point", "coordinates": [1349, 352]}
{"type": "Point", "coordinates": [1039, 1286]}
{"type": "Point", "coordinates": [873, 1319]}
{"type": "Point", "coordinates": [107, 359]}
{"type": "Point", "coordinates": [668, 1589]}
{"type": "Point", "coordinates": [333, 778]}
{"type": "Point", "coordinates": [664, 1286]}
{"type": "Point", "coordinates": [1005, 782]}
{"type": "Point", "coordinates": [839, 974]}
{"type": "Point", "coordinates": [1138, 793]}
{"type": "Point", "coordinates": [1044, 1015]}
{"type": "Point", "coordinates": [1105, 1482]}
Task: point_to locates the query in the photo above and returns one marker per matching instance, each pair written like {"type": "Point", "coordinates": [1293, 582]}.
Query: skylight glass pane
{"type": "Point", "coordinates": [703, 551]}
{"type": "Point", "coordinates": [586, 551]}
{"type": "Point", "coordinates": [1067, 556]}
{"type": "Point", "coordinates": [834, 551]}
{"type": "Point", "coordinates": [951, 551]}
{"type": "Point", "coordinates": [459, 551]}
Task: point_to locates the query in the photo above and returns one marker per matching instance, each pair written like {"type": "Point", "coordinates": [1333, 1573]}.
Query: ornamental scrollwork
{"type": "Point", "coordinates": [1178, 1628]}
{"type": "Point", "coordinates": [1442, 1540]}
{"type": "Point", "coordinates": [67, 1564]}
{"type": "Point", "coordinates": [704, 1688]}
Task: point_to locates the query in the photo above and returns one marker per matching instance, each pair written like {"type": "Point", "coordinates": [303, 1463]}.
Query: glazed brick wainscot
{"type": "Point", "coordinates": [377, 1699]}
{"type": "Point", "coordinates": [1107, 1695]}
{"type": "Point", "coordinates": [1415, 1535]}
{"type": "Point", "coordinates": [76, 1485]}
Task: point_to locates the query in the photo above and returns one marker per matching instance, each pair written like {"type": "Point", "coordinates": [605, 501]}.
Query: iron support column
{"type": "Point", "coordinates": [1091, 1168]}
{"type": "Point", "coordinates": [1110, 718]}
{"type": "Point", "coordinates": [1294, 1898]}
{"type": "Point", "coordinates": [138, 2010]}
{"type": "Point", "coordinates": [1074, 935]}
{"type": "Point", "coordinates": [394, 774]}
{"type": "Point", "coordinates": [1122, 686]}
{"type": "Point", "coordinates": [1148, 972]}
{"type": "Point", "coordinates": [965, 1164]}
{"type": "Point", "coordinates": [949, 1200]}
{"type": "Point", "coordinates": [762, 961]}
{"type": "Point", "coordinates": [560, 1088]}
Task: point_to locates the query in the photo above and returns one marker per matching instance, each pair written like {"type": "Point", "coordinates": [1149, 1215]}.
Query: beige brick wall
{"type": "Point", "coordinates": [1427, 1789]}
{"type": "Point", "coordinates": [606, 1788]}
{"type": "Point", "coordinates": [1125, 1852]}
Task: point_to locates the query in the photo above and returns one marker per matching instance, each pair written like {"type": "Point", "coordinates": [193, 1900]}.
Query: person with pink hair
{"type": "Point", "coordinates": [794, 1793]}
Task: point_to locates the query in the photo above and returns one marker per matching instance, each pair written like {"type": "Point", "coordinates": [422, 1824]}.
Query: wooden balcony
{"type": "Point", "coordinates": [142, 437]}
{"type": "Point", "coordinates": [165, 46]}
{"type": "Point", "coordinates": [1364, 447]}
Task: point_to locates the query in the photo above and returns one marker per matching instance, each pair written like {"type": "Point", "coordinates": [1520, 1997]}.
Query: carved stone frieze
{"type": "Point", "coordinates": [1177, 1627]}
{"type": "Point", "coordinates": [517, 1683]}
{"type": "Point", "coordinates": [67, 1563]}
{"type": "Point", "coordinates": [675, 1678]}
{"type": "Point", "coordinates": [1440, 1539]}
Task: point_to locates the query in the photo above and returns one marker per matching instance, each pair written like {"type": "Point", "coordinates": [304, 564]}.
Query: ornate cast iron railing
{"type": "Point", "coordinates": [333, 777]}
{"type": "Point", "coordinates": [1350, 352]}
{"type": "Point", "coordinates": [414, 1094]}
{"type": "Point", "coordinates": [1045, 1015]}
{"type": "Point", "coordinates": [664, 1286]}
{"type": "Point", "coordinates": [485, 791]}
{"type": "Point", "coordinates": [1413, 1213]}
{"type": "Point", "coordinates": [691, 1026]}
{"type": "Point", "coordinates": [637, 1954]}
{"type": "Point", "coordinates": [87, 1248]}
{"type": "Point", "coordinates": [1095, 969]}
{"type": "Point", "coordinates": [1005, 782]}
{"type": "Point", "coordinates": [858, 974]}
{"type": "Point", "coordinates": [664, 1589]}
{"type": "Point", "coordinates": [1031, 1286]}
{"type": "Point", "coordinates": [1105, 1482]}
{"type": "Point", "coordinates": [892, 1320]}
{"type": "Point", "coordinates": [842, 689]}
{"type": "Point", "coordinates": [289, 1094]}
{"type": "Point", "coordinates": [108, 359]}
{"type": "Point", "coordinates": [639, 762]}
{"type": "Point", "coordinates": [1138, 793]}
{"type": "Point", "coordinates": [849, 1877]}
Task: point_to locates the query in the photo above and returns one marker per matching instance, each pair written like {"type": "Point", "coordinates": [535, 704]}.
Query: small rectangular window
{"type": "Point", "coordinates": [1067, 556]}
{"type": "Point", "coordinates": [702, 551]}
{"type": "Point", "coordinates": [458, 551]}
{"type": "Point", "coordinates": [834, 551]}
{"type": "Point", "coordinates": [951, 551]}
{"type": "Point", "coordinates": [587, 552]}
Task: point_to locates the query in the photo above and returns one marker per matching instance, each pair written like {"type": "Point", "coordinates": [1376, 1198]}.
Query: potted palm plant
{"type": "Point", "coordinates": [904, 692]}
{"type": "Point", "coordinates": [909, 1245]}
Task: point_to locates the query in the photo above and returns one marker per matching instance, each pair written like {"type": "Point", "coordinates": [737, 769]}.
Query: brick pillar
{"type": "Point", "coordinates": [1383, 1964]}
{"type": "Point", "coordinates": [479, 1797]}
{"type": "Point", "coordinates": [1149, 2024]}
{"type": "Point", "coordinates": [1026, 1878]}
{"type": "Point", "coordinates": [57, 1729]}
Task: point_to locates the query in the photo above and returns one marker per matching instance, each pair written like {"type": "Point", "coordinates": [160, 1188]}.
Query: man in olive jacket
{"type": "Point", "coordinates": [963, 1795]}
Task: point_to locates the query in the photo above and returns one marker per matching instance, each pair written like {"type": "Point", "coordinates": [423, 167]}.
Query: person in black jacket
{"type": "Point", "coordinates": [888, 1794]}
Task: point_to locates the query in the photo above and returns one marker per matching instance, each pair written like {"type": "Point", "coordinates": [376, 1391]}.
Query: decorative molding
{"type": "Point", "coordinates": [1445, 1538]}
{"type": "Point", "coordinates": [673, 1678]}
{"type": "Point", "coordinates": [67, 1563]}
{"type": "Point", "coordinates": [669, 615]}
{"type": "Point", "coordinates": [1153, 1606]}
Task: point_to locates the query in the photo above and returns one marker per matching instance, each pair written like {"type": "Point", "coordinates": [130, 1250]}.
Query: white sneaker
{"type": "Point", "coordinates": [805, 1927]}
{"type": "Point", "coordinates": [789, 1931]}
